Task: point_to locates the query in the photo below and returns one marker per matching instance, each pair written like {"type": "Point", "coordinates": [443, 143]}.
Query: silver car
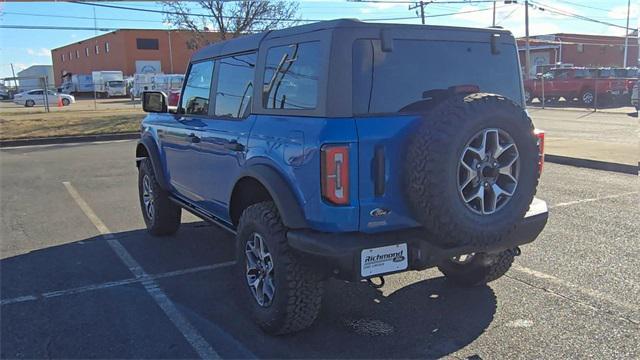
{"type": "Point", "coordinates": [634, 96]}
{"type": "Point", "coordinates": [37, 97]}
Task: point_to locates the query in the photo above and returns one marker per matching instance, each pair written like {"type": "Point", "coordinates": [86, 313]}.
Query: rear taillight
{"type": "Point", "coordinates": [540, 135]}
{"type": "Point", "coordinates": [335, 174]}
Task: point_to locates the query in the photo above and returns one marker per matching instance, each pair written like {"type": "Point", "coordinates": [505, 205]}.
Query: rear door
{"type": "Point", "coordinates": [178, 136]}
{"type": "Point", "coordinates": [223, 137]}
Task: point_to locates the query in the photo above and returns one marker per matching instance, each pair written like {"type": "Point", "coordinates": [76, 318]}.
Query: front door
{"type": "Point", "coordinates": [179, 137]}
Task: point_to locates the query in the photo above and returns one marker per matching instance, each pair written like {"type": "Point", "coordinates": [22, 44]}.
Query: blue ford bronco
{"type": "Point", "coordinates": [349, 150]}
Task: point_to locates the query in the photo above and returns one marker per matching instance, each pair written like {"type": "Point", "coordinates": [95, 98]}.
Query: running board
{"type": "Point", "coordinates": [204, 215]}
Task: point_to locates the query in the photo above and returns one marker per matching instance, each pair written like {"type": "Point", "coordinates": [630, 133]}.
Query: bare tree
{"type": "Point", "coordinates": [229, 18]}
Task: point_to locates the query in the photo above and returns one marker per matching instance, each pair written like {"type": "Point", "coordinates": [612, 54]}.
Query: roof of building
{"type": "Point", "coordinates": [212, 33]}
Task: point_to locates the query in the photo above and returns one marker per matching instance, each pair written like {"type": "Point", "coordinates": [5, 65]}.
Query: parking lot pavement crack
{"type": "Point", "coordinates": [558, 294]}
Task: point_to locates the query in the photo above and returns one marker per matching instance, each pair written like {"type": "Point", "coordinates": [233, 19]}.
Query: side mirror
{"type": "Point", "coordinates": [154, 102]}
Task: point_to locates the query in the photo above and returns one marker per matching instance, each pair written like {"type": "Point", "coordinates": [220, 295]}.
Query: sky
{"type": "Point", "coordinates": [24, 48]}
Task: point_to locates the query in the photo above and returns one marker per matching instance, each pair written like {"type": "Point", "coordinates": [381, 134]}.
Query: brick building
{"type": "Point", "coordinates": [128, 50]}
{"type": "Point", "coordinates": [579, 50]}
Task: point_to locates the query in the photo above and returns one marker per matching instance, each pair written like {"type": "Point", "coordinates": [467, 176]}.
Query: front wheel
{"type": "Point", "coordinates": [29, 103]}
{"type": "Point", "coordinates": [282, 291]}
{"type": "Point", "coordinates": [161, 215]}
{"type": "Point", "coordinates": [477, 269]}
{"type": "Point", "coordinates": [65, 102]}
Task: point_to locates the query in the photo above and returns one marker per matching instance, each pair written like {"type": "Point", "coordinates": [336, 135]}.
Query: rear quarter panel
{"type": "Point", "coordinates": [291, 145]}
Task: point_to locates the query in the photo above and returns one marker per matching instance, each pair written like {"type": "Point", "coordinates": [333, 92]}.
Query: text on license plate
{"type": "Point", "coordinates": [383, 260]}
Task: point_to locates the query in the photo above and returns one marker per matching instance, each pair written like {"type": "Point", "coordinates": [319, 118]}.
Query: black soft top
{"type": "Point", "coordinates": [252, 42]}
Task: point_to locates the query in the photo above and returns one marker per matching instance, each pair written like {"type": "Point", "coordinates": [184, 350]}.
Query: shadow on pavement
{"type": "Point", "coordinates": [425, 319]}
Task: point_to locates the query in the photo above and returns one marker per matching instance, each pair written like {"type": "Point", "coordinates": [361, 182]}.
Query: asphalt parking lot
{"type": "Point", "coordinates": [82, 279]}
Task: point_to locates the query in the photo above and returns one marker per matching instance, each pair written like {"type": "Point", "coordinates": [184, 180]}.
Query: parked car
{"type": "Point", "coordinates": [347, 149]}
{"type": "Point", "coordinates": [581, 84]}
{"type": "Point", "coordinates": [37, 97]}
{"type": "Point", "coordinates": [634, 97]}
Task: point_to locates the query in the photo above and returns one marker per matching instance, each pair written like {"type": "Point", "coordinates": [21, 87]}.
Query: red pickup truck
{"type": "Point", "coordinates": [574, 83]}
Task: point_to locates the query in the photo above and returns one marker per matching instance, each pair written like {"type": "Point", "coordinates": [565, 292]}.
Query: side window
{"type": "Point", "coordinates": [562, 75]}
{"type": "Point", "coordinates": [235, 86]}
{"type": "Point", "coordinates": [195, 99]}
{"type": "Point", "coordinates": [36, 92]}
{"type": "Point", "coordinates": [291, 76]}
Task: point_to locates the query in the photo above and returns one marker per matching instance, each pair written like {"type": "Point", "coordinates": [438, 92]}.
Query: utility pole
{"type": "Point", "coordinates": [527, 62]}
{"type": "Point", "coordinates": [420, 5]}
{"type": "Point", "coordinates": [493, 24]}
{"type": "Point", "coordinates": [626, 35]}
{"type": "Point", "coordinates": [15, 81]}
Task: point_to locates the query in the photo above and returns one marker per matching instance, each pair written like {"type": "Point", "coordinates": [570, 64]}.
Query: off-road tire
{"type": "Point", "coordinates": [481, 269]}
{"type": "Point", "coordinates": [166, 214]}
{"type": "Point", "coordinates": [298, 286]}
{"type": "Point", "coordinates": [431, 169]}
{"type": "Point", "coordinates": [582, 98]}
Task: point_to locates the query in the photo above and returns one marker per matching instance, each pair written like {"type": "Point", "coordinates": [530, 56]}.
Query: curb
{"type": "Point", "coordinates": [579, 110]}
{"type": "Point", "coordinates": [592, 164]}
{"type": "Point", "coordinates": [68, 139]}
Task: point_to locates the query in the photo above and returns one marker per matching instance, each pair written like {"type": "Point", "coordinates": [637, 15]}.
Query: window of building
{"type": "Point", "coordinates": [97, 49]}
{"type": "Point", "coordinates": [147, 44]}
{"type": "Point", "coordinates": [291, 76]}
{"type": "Point", "coordinates": [235, 86]}
{"type": "Point", "coordinates": [62, 57]}
{"type": "Point", "coordinates": [580, 48]}
{"type": "Point", "coordinates": [603, 49]}
{"type": "Point", "coordinates": [70, 55]}
{"type": "Point", "coordinates": [86, 51]}
{"type": "Point", "coordinates": [106, 47]}
{"type": "Point", "coordinates": [77, 54]}
{"type": "Point", "coordinates": [195, 97]}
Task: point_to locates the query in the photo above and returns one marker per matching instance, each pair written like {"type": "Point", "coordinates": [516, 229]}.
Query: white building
{"type": "Point", "coordinates": [33, 77]}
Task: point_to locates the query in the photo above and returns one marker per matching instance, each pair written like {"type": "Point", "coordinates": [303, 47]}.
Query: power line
{"type": "Point", "coordinates": [77, 17]}
{"type": "Point", "coordinates": [545, 7]}
{"type": "Point", "coordinates": [582, 5]}
{"type": "Point", "coordinates": [47, 27]}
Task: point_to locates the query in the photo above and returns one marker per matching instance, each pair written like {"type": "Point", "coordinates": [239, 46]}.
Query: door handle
{"type": "Point", "coordinates": [194, 138]}
{"type": "Point", "coordinates": [233, 145]}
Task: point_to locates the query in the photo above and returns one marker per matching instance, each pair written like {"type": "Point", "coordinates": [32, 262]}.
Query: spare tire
{"type": "Point", "coordinates": [471, 169]}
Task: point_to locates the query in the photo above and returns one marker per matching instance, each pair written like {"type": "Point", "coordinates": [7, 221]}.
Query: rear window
{"type": "Point", "coordinates": [291, 76]}
{"type": "Point", "coordinates": [389, 82]}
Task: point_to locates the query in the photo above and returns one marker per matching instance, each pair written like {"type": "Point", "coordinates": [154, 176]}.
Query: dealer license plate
{"type": "Point", "coordinates": [383, 260]}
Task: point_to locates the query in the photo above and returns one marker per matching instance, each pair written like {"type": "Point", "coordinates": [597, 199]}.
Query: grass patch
{"type": "Point", "coordinates": [68, 123]}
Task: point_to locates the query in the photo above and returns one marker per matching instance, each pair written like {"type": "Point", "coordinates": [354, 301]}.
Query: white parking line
{"type": "Point", "coordinates": [589, 292]}
{"type": "Point", "coordinates": [110, 284]}
{"type": "Point", "coordinates": [199, 344]}
{"type": "Point", "coordinates": [575, 202]}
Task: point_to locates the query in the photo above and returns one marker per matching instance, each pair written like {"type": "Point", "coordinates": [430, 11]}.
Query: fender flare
{"type": "Point", "coordinates": [152, 150]}
{"type": "Point", "coordinates": [290, 210]}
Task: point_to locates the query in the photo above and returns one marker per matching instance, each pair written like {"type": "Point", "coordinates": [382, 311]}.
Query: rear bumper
{"type": "Point", "coordinates": [341, 252]}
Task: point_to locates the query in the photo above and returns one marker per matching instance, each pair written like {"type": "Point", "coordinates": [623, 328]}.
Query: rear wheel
{"type": "Point", "coordinates": [477, 269]}
{"type": "Point", "coordinates": [65, 102]}
{"type": "Point", "coordinates": [282, 291]}
{"type": "Point", "coordinates": [161, 215]}
{"type": "Point", "coordinates": [587, 97]}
